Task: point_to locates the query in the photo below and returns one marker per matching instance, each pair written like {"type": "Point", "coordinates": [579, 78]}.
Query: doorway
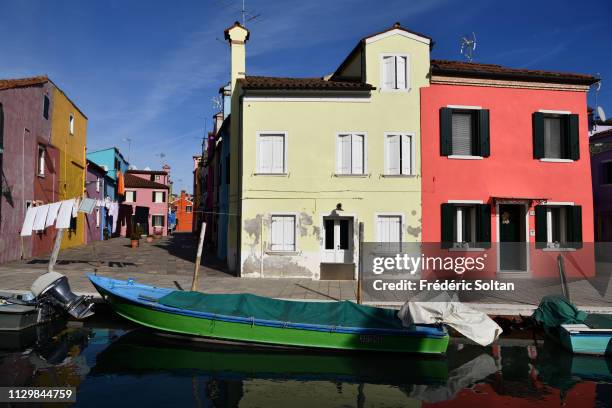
{"type": "Point", "coordinates": [338, 240]}
{"type": "Point", "coordinates": [512, 237]}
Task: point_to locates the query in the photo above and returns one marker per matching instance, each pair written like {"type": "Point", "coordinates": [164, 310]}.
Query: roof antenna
{"type": "Point", "coordinates": [468, 46]}
{"type": "Point", "coordinates": [601, 115]}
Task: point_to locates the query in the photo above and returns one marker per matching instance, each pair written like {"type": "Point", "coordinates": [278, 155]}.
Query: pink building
{"type": "Point", "coordinates": [505, 167]}
{"type": "Point", "coordinates": [146, 202]}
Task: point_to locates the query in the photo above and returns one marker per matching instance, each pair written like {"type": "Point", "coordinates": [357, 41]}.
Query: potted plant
{"type": "Point", "coordinates": [158, 232]}
{"type": "Point", "coordinates": [135, 235]}
{"type": "Point", "coordinates": [149, 238]}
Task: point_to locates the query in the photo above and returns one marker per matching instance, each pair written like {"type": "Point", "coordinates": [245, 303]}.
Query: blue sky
{"type": "Point", "coordinates": [148, 70]}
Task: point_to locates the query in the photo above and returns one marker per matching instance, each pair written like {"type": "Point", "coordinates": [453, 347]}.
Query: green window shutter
{"type": "Point", "coordinates": [541, 226]}
{"type": "Point", "coordinates": [483, 225]}
{"type": "Point", "coordinates": [484, 133]}
{"type": "Point", "coordinates": [446, 131]}
{"type": "Point", "coordinates": [574, 226]}
{"type": "Point", "coordinates": [448, 215]}
{"type": "Point", "coordinates": [152, 196]}
{"type": "Point", "coordinates": [164, 197]}
{"type": "Point", "coordinates": [538, 135]}
{"type": "Point", "coordinates": [573, 137]}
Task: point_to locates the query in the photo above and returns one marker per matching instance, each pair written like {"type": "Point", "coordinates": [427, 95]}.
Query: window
{"type": "Point", "coordinates": [395, 72]}
{"type": "Point", "coordinates": [272, 153]}
{"type": "Point", "coordinates": [282, 233]}
{"type": "Point", "coordinates": [46, 107]}
{"type": "Point", "coordinates": [71, 124]}
{"type": "Point", "coordinates": [398, 154]}
{"type": "Point", "coordinates": [157, 220]}
{"type": "Point", "coordinates": [466, 225]}
{"type": "Point", "coordinates": [606, 173]}
{"type": "Point", "coordinates": [130, 196]}
{"type": "Point", "coordinates": [159, 196]}
{"type": "Point", "coordinates": [41, 160]}
{"type": "Point", "coordinates": [157, 177]}
{"type": "Point", "coordinates": [98, 180]}
{"type": "Point", "coordinates": [389, 232]}
{"type": "Point", "coordinates": [464, 132]}
{"type": "Point", "coordinates": [558, 226]}
{"type": "Point", "coordinates": [97, 218]}
{"type": "Point", "coordinates": [188, 208]}
{"type": "Point", "coordinates": [350, 150]}
{"type": "Point", "coordinates": [555, 136]}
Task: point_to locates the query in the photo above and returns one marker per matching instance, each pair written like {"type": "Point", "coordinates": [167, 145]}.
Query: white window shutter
{"type": "Point", "coordinates": [357, 150]}
{"type": "Point", "coordinates": [406, 154]}
{"type": "Point", "coordinates": [289, 233]}
{"type": "Point", "coordinates": [402, 72]}
{"type": "Point", "coordinates": [276, 228]}
{"type": "Point", "coordinates": [393, 154]}
{"type": "Point", "coordinates": [388, 72]}
{"type": "Point", "coordinates": [395, 227]}
{"type": "Point", "coordinates": [265, 154]}
{"type": "Point", "coordinates": [278, 154]}
{"type": "Point", "coordinates": [344, 154]}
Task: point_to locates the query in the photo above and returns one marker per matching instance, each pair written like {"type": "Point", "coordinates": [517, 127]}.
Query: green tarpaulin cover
{"type": "Point", "coordinates": [599, 321]}
{"type": "Point", "coordinates": [556, 310]}
{"type": "Point", "coordinates": [345, 313]}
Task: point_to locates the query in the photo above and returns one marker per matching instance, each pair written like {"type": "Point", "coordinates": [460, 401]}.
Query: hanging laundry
{"type": "Point", "coordinates": [114, 212]}
{"type": "Point", "coordinates": [65, 214]}
{"type": "Point", "coordinates": [87, 205]}
{"type": "Point", "coordinates": [75, 206]}
{"type": "Point", "coordinates": [41, 217]}
{"type": "Point", "coordinates": [52, 214]}
{"type": "Point", "coordinates": [28, 222]}
{"type": "Point", "coordinates": [120, 183]}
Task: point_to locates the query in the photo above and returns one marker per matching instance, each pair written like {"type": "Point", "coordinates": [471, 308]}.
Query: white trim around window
{"type": "Point", "coordinates": [466, 107]}
{"type": "Point", "coordinates": [274, 166]}
{"type": "Point", "coordinates": [465, 201]}
{"type": "Point", "coordinates": [404, 167]}
{"type": "Point", "coordinates": [342, 169]}
{"type": "Point", "coordinates": [398, 85]}
{"type": "Point", "coordinates": [285, 247]}
{"type": "Point", "coordinates": [555, 112]}
{"type": "Point", "coordinates": [378, 215]}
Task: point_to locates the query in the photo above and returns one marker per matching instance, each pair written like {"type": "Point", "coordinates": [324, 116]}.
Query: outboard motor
{"type": "Point", "coordinates": [54, 287]}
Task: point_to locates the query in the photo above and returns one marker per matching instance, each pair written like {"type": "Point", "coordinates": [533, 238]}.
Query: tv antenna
{"type": "Point", "coordinates": [217, 103]}
{"type": "Point", "coordinates": [246, 16]}
{"type": "Point", "coordinates": [468, 46]}
{"type": "Point", "coordinates": [601, 115]}
{"type": "Point", "coordinates": [161, 157]}
{"type": "Point", "coordinates": [129, 142]}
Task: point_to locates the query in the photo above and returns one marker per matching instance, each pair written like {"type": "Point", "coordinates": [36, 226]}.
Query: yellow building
{"type": "Point", "coordinates": [313, 158]}
{"type": "Point", "coordinates": [69, 135]}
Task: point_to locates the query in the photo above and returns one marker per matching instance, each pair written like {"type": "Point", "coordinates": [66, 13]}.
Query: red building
{"type": "Point", "coordinates": [505, 159]}
{"type": "Point", "coordinates": [183, 208]}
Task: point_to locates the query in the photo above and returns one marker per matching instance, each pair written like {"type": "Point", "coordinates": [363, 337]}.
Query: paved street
{"type": "Point", "coordinates": [169, 262]}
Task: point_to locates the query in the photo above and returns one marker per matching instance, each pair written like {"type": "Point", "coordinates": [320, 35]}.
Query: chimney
{"type": "Point", "coordinates": [237, 36]}
{"type": "Point", "coordinates": [218, 121]}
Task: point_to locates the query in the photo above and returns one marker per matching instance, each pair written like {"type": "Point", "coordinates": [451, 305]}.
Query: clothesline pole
{"type": "Point", "coordinates": [194, 282]}
{"type": "Point", "coordinates": [56, 249]}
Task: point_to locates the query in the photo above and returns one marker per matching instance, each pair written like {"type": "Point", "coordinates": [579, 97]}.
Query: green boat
{"type": "Point", "coordinates": [257, 320]}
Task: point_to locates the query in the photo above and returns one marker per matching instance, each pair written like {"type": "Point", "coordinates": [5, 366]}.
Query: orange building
{"type": "Point", "coordinates": [183, 208]}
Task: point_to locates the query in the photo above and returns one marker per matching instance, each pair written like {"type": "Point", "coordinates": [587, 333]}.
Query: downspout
{"type": "Point", "coordinates": [239, 215]}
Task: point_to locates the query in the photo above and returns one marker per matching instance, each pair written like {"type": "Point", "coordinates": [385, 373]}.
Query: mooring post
{"type": "Point", "coordinates": [56, 248]}
{"type": "Point", "coordinates": [564, 288]}
{"type": "Point", "coordinates": [194, 283]}
{"type": "Point", "coordinates": [360, 266]}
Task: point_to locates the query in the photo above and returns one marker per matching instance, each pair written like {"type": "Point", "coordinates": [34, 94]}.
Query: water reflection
{"type": "Point", "coordinates": [114, 367]}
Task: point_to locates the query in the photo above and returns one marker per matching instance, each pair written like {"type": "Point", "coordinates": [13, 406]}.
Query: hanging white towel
{"type": "Point", "coordinates": [75, 207]}
{"type": "Point", "coordinates": [114, 212]}
{"type": "Point", "coordinates": [52, 214]}
{"type": "Point", "coordinates": [65, 214]}
{"type": "Point", "coordinates": [41, 217]}
{"type": "Point", "coordinates": [28, 222]}
{"type": "Point", "coordinates": [87, 205]}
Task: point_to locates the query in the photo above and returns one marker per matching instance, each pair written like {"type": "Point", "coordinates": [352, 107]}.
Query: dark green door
{"type": "Point", "coordinates": [511, 241]}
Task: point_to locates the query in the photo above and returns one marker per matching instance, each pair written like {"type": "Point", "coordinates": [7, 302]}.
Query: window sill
{"type": "Point", "coordinates": [398, 175]}
{"type": "Point", "coordinates": [557, 160]}
{"type": "Point", "coordinates": [288, 253]}
{"type": "Point", "coordinates": [393, 90]}
{"type": "Point", "coordinates": [467, 249]}
{"type": "Point", "coordinates": [464, 157]}
{"type": "Point", "coordinates": [558, 249]}
{"type": "Point", "coordinates": [272, 174]}
{"type": "Point", "coordinates": [351, 175]}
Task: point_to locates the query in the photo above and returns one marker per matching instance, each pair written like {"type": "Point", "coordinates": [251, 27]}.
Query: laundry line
{"type": "Point", "coordinates": [60, 214]}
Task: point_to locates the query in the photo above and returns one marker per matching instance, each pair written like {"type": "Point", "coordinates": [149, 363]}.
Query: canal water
{"type": "Point", "coordinates": [114, 364]}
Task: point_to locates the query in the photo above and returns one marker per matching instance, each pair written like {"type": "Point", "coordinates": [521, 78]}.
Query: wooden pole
{"type": "Point", "coordinates": [194, 283]}
{"type": "Point", "coordinates": [56, 248]}
{"type": "Point", "coordinates": [360, 267]}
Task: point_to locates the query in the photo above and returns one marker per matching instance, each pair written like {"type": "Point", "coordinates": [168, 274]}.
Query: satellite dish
{"type": "Point", "coordinates": [601, 114]}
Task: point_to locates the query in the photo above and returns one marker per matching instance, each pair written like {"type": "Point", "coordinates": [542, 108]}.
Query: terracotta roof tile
{"type": "Point", "coordinates": [132, 181]}
{"type": "Point", "coordinates": [278, 83]}
{"type": "Point", "coordinates": [22, 82]}
{"type": "Point", "coordinates": [472, 69]}
{"type": "Point", "coordinates": [134, 171]}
